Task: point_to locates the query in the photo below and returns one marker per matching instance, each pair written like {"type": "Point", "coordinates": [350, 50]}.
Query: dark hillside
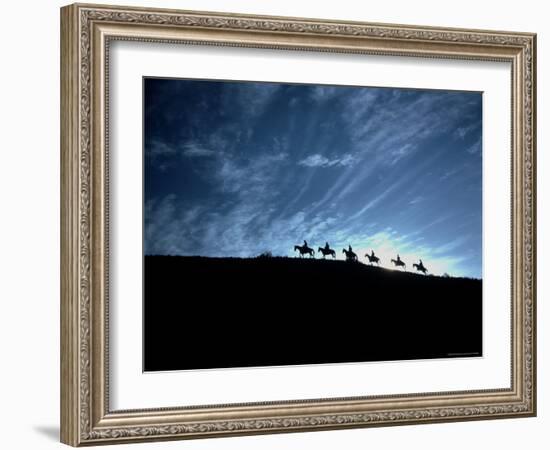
{"type": "Point", "coordinates": [229, 312]}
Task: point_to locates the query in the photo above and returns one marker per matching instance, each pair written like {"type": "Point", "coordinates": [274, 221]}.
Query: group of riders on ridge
{"type": "Point", "coordinates": [352, 256]}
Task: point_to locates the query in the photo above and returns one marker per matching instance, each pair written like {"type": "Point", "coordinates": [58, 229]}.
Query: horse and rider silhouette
{"type": "Point", "coordinates": [326, 250]}
{"type": "Point", "coordinates": [420, 267]}
{"type": "Point", "coordinates": [305, 250]}
{"type": "Point", "coordinates": [399, 262]}
{"type": "Point", "coordinates": [373, 259]}
{"type": "Point", "coordinates": [350, 254]}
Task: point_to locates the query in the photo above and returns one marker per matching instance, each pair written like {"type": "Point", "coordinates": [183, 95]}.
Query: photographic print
{"type": "Point", "coordinates": [289, 224]}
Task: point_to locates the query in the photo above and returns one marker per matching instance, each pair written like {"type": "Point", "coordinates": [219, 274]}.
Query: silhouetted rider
{"type": "Point", "coordinates": [327, 246]}
{"type": "Point", "coordinates": [350, 249]}
{"type": "Point", "coordinates": [305, 244]}
{"type": "Point", "coordinates": [398, 258]}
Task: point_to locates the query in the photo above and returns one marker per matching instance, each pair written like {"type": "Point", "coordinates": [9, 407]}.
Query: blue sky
{"type": "Point", "coordinates": [240, 168]}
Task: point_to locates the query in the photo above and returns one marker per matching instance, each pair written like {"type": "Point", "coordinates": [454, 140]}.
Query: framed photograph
{"type": "Point", "coordinates": [275, 224]}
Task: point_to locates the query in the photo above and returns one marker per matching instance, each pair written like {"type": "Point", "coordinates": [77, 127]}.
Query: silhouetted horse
{"type": "Point", "coordinates": [305, 250]}
{"type": "Point", "coordinates": [350, 255]}
{"type": "Point", "coordinates": [420, 267]}
{"type": "Point", "coordinates": [327, 251]}
{"type": "Point", "coordinates": [399, 263]}
{"type": "Point", "coordinates": [373, 258]}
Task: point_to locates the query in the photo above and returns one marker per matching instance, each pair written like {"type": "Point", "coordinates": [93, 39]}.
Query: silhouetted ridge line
{"type": "Point", "coordinates": [294, 262]}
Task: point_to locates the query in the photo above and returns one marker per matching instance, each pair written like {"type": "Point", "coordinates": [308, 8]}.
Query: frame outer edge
{"type": "Point", "coordinates": [69, 308]}
{"type": "Point", "coordinates": [534, 159]}
{"type": "Point", "coordinates": [81, 414]}
{"type": "Point", "coordinates": [535, 71]}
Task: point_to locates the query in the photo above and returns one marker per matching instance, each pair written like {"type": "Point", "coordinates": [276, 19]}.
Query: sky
{"type": "Point", "coordinates": [240, 168]}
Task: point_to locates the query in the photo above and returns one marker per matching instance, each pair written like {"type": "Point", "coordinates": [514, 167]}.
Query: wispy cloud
{"type": "Point", "coordinates": [317, 160]}
{"type": "Point", "coordinates": [323, 93]}
{"type": "Point", "coordinates": [159, 149]}
{"type": "Point", "coordinates": [396, 154]}
{"type": "Point", "coordinates": [450, 173]}
{"type": "Point", "coordinates": [416, 200]}
{"type": "Point", "coordinates": [244, 177]}
{"type": "Point", "coordinates": [451, 245]}
{"type": "Point", "coordinates": [252, 100]}
{"type": "Point", "coordinates": [475, 148]}
{"type": "Point", "coordinates": [196, 151]}
{"type": "Point", "coordinates": [462, 132]}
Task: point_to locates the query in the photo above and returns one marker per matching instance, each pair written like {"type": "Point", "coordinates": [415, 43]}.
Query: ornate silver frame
{"type": "Point", "coordinates": [86, 31]}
